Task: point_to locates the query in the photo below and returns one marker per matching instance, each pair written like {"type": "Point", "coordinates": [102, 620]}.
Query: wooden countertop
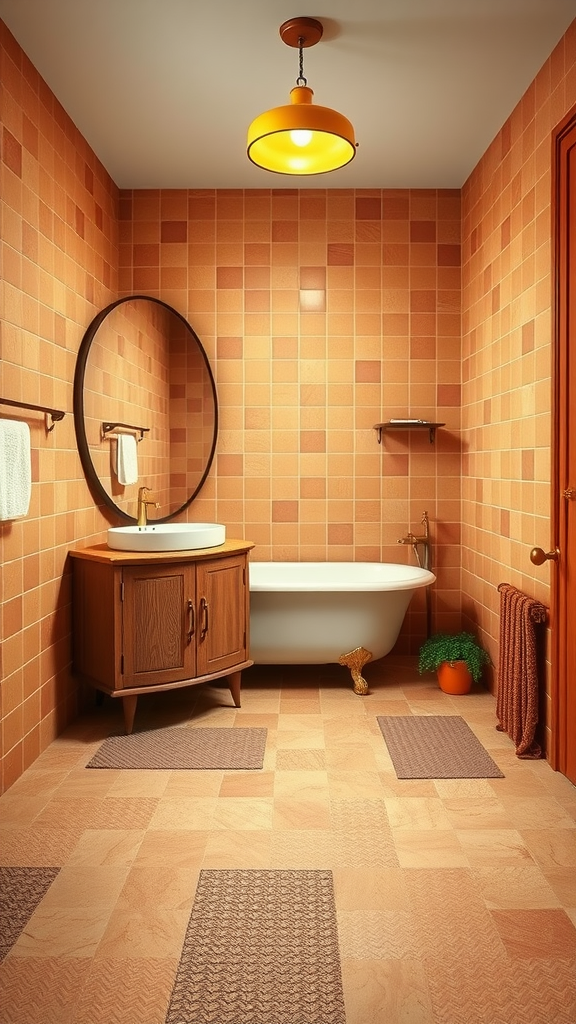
{"type": "Point", "coordinates": [102, 553]}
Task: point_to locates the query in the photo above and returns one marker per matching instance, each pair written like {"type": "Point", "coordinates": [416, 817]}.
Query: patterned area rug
{"type": "Point", "coordinates": [183, 748]}
{"type": "Point", "coordinates": [21, 890]}
{"type": "Point", "coordinates": [261, 948]}
{"type": "Point", "coordinates": [436, 747]}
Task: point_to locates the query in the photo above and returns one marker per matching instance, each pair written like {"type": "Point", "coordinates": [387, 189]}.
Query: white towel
{"type": "Point", "coordinates": [15, 469]}
{"type": "Point", "coordinates": [127, 459]}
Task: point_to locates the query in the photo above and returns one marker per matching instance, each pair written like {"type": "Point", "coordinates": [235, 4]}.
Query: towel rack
{"type": "Point", "coordinates": [55, 414]}
{"type": "Point", "coordinates": [112, 428]}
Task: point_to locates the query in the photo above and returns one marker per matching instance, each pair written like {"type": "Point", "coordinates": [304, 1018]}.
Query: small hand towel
{"type": "Point", "coordinates": [127, 459]}
{"type": "Point", "coordinates": [15, 469]}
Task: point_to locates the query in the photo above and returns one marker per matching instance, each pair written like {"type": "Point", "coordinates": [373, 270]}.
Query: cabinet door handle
{"type": "Point", "coordinates": [191, 622]}
{"type": "Point", "coordinates": [204, 617]}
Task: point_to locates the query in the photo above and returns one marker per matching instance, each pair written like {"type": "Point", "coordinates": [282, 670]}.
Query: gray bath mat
{"type": "Point", "coordinates": [183, 748]}
{"type": "Point", "coordinates": [261, 948]}
{"type": "Point", "coordinates": [436, 747]}
{"type": "Point", "coordinates": [21, 890]}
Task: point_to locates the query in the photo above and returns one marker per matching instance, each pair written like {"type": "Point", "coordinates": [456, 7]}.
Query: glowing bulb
{"type": "Point", "coordinates": [301, 137]}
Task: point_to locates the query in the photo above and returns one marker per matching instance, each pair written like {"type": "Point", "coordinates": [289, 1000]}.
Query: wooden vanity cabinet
{"type": "Point", "coordinates": [161, 620]}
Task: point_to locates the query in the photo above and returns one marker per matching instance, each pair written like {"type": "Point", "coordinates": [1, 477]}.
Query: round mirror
{"type": "Point", "coordinates": [145, 408]}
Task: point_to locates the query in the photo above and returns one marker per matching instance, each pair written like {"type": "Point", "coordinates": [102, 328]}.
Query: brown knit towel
{"type": "Point", "coordinates": [517, 698]}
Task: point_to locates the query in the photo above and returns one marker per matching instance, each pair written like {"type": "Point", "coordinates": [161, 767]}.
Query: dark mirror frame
{"type": "Point", "coordinates": [96, 487]}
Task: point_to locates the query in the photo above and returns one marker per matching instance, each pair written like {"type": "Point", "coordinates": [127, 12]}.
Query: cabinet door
{"type": "Point", "coordinates": [222, 602]}
{"type": "Point", "coordinates": [158, 624]}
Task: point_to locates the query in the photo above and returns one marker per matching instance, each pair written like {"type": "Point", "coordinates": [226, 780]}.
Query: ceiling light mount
{"type": "Point", "coordinates": [301, 32]}
{"type": "Point", "coordinates": [301, 138]}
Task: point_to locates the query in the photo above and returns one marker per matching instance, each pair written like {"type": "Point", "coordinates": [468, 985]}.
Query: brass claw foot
{"type": "Point", "coordinates": [355, 661]}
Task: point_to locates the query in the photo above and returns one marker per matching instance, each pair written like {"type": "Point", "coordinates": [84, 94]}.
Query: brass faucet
{"type": "Point", "coordinates": [143, 502]}
{"type": "Point", "coordinates": [423, 539]}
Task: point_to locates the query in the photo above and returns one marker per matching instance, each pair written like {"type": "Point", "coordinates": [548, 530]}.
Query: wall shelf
{"type": "Point", "coordinates": [407, 424]}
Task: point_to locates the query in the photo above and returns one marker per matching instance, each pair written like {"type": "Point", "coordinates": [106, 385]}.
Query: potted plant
{"type": "Point", "coordinates": [457, 659]}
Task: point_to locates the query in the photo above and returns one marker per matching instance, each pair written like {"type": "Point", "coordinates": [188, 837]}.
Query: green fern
{"type": "Point", "coordinates": [453, 647]}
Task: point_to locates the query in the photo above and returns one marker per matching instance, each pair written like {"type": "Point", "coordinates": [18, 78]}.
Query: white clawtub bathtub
{"type": "Point", "coordinates": [304, 613]}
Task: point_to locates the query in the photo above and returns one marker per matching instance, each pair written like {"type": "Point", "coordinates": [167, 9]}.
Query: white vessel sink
{"type": "Point", "coordinates": [166, 537]}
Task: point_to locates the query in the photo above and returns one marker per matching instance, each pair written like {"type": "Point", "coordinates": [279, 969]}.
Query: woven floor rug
{"type": "Point", "coordinates": [261, 948]}
{"type": "Point", "coordinates": [436, 747]}
{"type": "Point", "coordinates": [183, 748]}
{"type": "Point", "coordinates": [21, 890]}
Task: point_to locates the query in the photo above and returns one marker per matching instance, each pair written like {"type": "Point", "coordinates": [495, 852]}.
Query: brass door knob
{"type": "Point", "coordinates": [538, 556]}
{"type": "Point", "coordinates": [569, 493]}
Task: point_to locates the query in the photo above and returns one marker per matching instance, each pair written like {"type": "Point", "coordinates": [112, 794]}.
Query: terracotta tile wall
{"type": "Point", "coordinates": [507, 352]}
{"type": "Point", "coordinates": [322, 312]}
{"type": "Point", "coordinates": [59, 266]}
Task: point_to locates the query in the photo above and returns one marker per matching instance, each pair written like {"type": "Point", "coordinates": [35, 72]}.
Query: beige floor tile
{"type": "Point", "coordinates": [132, 934]}
{"type": "Point", "coordinates": [438, 848]}
{"type": "Point", "coordinates": [37, 783]}
{"type": "Point", "coordinates": [490, 847]}
{"type": "Point", "coordinates": [305, 784]}
{"type": "Point", "coordinates": [296, 739]}
{"type": "Point", "coordinates": [53, 931]}
{"type": "Point", "coordinates": [90, 886]}
{"type": "Point", "coordinates": [250, 812]}
{"type": "Point", "coordinates": [536, 812]}
{"type": "Point", "coordinates": [186, 813]}
{"type": "Point", "coordinates": [551, 848]}
{"type": "Point", "coordinates": [388, 991]}
{"type": "Point", "coordinates": [417, 812]}
{"type": "Point", "coordinates": [348, 784]}
{"type": "Point", "coordinates": [193, 784]}
{"type": "Point", "coordinates": [476, 812]}
{"type": "Point", "coordinates": [106, 847]}
{"type": "Point", "coordinates": [361, 889]}
{"type": "Point", "coordinates": [169, 889]}
{"type": "Point", "coordinates": [515, 888]}
{"type": "Point", "coordinates": [179, 848]}
{"type": "Point", "coordinates": [253, 783]}
{"type": "Point", "coordinates": [92, 782]}
{"type": "Point", "coordinates": [20, 812]}
{"type": "Point", "coordinates": [139, 783]}
{"type": "Point", "coordinates": [297, 812]}
{"type": "Point", "coordinates": [248, 719]}
{"type": "Point", "coordinates": [240, 849]}
{"type": "Point", "coordinates": [359, 755]}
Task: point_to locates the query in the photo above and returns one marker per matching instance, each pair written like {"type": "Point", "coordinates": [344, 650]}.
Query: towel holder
{"type": "Point", "coordinates": [55, 414]}
{"type": "Point", "coordinates": [125, 428]}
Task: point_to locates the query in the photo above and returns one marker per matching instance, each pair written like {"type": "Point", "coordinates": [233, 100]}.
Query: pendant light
{"type": "Point", "coordinates": [301, 138]}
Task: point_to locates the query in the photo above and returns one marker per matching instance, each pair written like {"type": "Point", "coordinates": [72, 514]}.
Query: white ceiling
{"type": "Point", "coordinates": [164, 90]}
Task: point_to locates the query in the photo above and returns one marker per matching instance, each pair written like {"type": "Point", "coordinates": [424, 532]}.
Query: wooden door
{"type": "Point", "coordinates": [158, 643]}
{"type": "Point", "coordinates": [222, 614]}
{"type": "Point", "coordinates": [563, 754]}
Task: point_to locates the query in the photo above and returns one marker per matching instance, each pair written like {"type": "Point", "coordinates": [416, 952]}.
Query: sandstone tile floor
{"type": "Point", "coordinates": [456, 899]}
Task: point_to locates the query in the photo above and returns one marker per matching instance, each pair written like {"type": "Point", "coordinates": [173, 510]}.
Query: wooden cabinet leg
{"type": "Point", "coordinates": [234, 683]}
{"type": "Point", "coordinates": [129, 708]}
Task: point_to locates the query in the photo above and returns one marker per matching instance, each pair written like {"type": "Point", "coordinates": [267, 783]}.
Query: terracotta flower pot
{"type": "Point", "coordinates": [454, 677]}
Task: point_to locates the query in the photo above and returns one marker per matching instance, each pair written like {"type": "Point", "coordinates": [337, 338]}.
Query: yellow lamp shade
{"type": "Point", "coordinates": [301, 138]}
